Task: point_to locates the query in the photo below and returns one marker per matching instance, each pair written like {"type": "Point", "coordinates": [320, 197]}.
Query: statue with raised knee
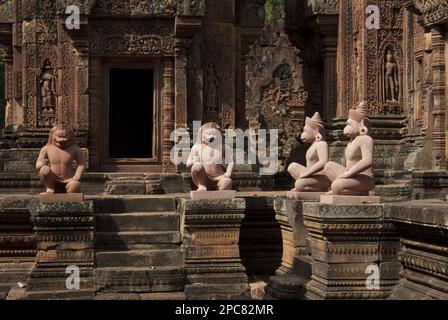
{"type": "Point", "coordinates": [356, 178]}
{"type": "Point", "coordinates": [207, 159]}
{"type": "Point", "coordinates": [311, 178]}
{"type": "Point", "coordinates": [56, 159]}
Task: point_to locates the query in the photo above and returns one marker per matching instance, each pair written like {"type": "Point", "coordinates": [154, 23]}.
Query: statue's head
{"type": "Point", "coordinates": [209, 133]}
{"type": "Point", "coordinates": [314, 129]}
{"type": "Point", "coordinates": [390, 56]}
{"type": "Point", "coordinates": [61, 136]}
{"type": "Point", "coordinates": [358, 123]}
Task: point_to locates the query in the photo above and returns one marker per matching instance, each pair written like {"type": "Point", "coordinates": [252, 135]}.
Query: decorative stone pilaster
{"type": "Point", "coordinates": [65, 238]}
{"type": "Point", "coordinates": [167, 113]}
{"type": "Point", "coordinates": [438, 91]}
{"type": "Point", "coordinates": [210, 236]}
{"type": "Point", "coordinates": [295, 270]}
{"type": "Point", "coordinates": [347, 244]}
{"type": "Point", "coordinates": [180, 75]}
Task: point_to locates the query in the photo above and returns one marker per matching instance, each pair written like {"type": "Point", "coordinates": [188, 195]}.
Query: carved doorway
{"type": "Point", "coordinates": [131, 128]}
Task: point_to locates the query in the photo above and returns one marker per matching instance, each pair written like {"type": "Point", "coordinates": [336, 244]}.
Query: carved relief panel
{"type": "Point", "coordinates": [373, 63]}
{"type": "Point", "coordinates": [275, 92]}
{"type": "Point", "coordinates": [384, 53]}
{"type": "Point", "coordinates": [121, 38]}
{"type": "Point", "coordinates": [48, 80]}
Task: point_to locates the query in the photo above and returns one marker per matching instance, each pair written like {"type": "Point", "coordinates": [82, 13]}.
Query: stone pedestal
{"type": "Point", "coordinates": [210, 237]}
{"type": "Point", "coordinates": [65, 238]}
{"type": "Point", "coordinates": [295, 257]}
{"type": "Point", "coordinates": [305, 196]}
{"type": "Point", "coordinates": [295, 270]}
{"type": "Point", "coordinates": [348, 243]}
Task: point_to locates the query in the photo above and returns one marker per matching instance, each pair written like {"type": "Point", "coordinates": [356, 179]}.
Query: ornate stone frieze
{"type": "Point", "coordinates": [145, 7]}
{"type": "Point", "coordinates": [433, 11]}
{"type": "Point", "coordinates": [139, 38]}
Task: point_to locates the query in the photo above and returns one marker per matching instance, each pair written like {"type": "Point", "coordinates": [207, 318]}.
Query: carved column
{"type": "Point", "coordinates": [167, 113]}
{"type": "Point", "coordinates": [438, 113]}
{"type": "Point", "coordinates": [7, 57]}
{"type": "Point", "coordinates": [180, 74]}
{"type": "Point", "coordinates": [210, 239]}
{"type": "Point", "coordinates": [80, 38]}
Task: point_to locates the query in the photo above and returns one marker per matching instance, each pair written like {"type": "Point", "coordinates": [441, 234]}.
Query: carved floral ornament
{"type": "Point", "coordinates": [141, 39]}
{"type": "Point", "coordinates": [136, 7]}
{"type": "Point", "coordinates": [433, 11]}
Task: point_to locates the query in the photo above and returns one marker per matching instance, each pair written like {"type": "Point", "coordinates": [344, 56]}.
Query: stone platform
{"type": "Point", "coordinates": [149, 247]}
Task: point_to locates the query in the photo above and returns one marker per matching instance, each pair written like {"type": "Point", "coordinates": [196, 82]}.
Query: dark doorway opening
{"type": "Point", "coordinates": [131, 113]}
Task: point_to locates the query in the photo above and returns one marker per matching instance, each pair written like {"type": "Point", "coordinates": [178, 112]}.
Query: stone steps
{"type": "Point", "coordinates": [140, 279]}
{"type": "Point", "coordinates": [137, 237]}
{"type": "Point", "coordinates": [137, 221]}
{"type": "Point", "coordinates": [135, 204]}
{"type": "Point", "coordinates": [138, 258]}
{"type": "Point", "coordinates": [142, 296]}
{"type": "Point", "coordinates": [138, 246]}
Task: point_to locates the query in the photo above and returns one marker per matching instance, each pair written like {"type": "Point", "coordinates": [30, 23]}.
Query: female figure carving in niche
{"type": "Point", "coordinates": [391, 85]}
{"type": "Point", "coordinates": [48, 89]}
{"type": "Point", "coordinates": [211, 89]}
